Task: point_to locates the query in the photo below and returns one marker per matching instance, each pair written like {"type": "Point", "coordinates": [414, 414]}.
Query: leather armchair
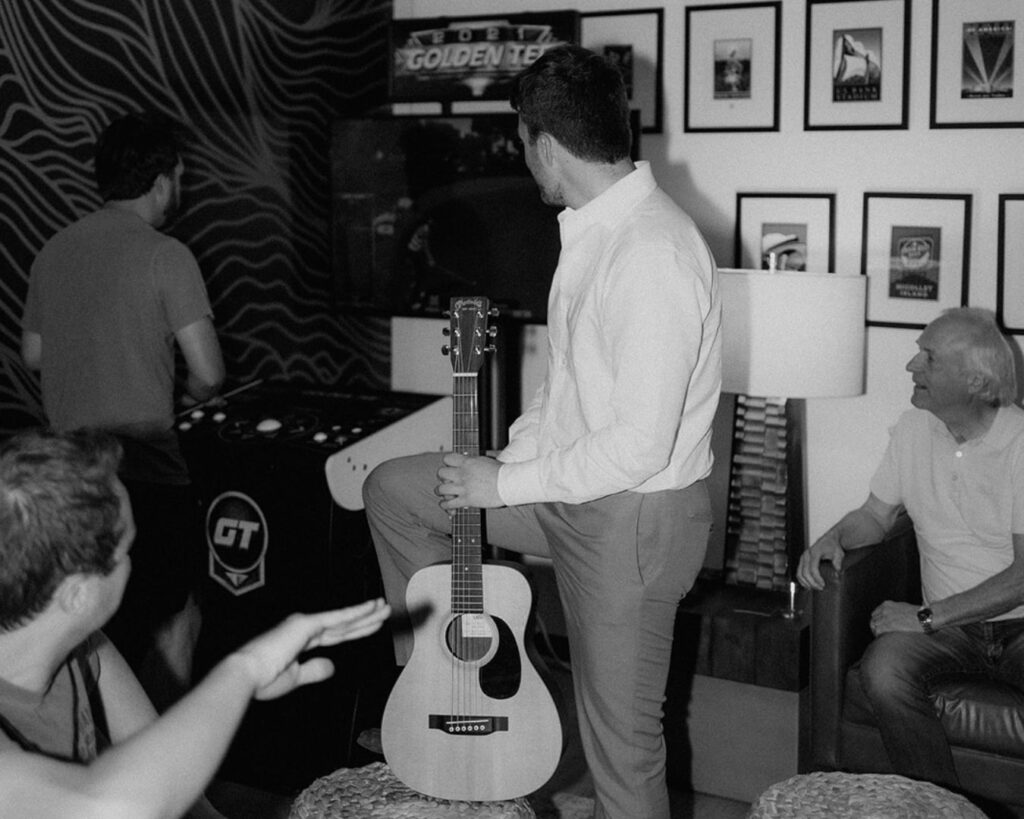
{"type": "Point", "coordinates": [984, 720]}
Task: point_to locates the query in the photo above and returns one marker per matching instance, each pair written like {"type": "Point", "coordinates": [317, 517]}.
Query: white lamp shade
{"type": "Point", "coordinates": [792, 334]}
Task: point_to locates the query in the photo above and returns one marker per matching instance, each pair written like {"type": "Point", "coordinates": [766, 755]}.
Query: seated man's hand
{"type": "Point", "coordinates": [272, 658]}
{"type": "Point", "coordinates": [808, 572]}
{"type": "Point", "coordinates": [893, 616]}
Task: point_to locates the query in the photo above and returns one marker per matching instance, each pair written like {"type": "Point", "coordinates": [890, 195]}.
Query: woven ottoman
{"type": "Point", "coordinates": [373, 792]}
{"type": "Point", "coordinates": [859, 796]}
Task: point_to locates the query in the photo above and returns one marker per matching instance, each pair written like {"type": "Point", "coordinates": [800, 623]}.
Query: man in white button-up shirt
{"type": "Point", "coordinates": [604, 472]}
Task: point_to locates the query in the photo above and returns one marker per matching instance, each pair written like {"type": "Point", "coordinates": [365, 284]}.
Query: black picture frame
{"type": "Point", "coordinates": [801, 226]}
{"type": "Point", "coordinates": [1010, 264]}
{"type": "Point", "coordinates": [972, 86]}
{"type": "Point", "coordinates": [732, 67]}
{"type": "Point", "coordinates": [641, 54]}
{"type": "Point", "coordinates": [916, 253]}
{"type": "Point", "coordinates": [868, 86]}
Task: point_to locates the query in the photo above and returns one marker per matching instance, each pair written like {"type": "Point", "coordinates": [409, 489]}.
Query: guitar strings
{"type": "Point", "coordinates": [467, 592]}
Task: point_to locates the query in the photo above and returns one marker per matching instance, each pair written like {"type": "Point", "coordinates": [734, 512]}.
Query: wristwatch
{"type": "Point", "coordinates": [924, 617]}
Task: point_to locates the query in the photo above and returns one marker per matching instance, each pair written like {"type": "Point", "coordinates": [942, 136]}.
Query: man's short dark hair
{"type": "Point", "coordinates": [60, 515]}
{"type": "Point", "coordinates": [579, 98]}
{"type": "Point", "coordinates": [133, 151]}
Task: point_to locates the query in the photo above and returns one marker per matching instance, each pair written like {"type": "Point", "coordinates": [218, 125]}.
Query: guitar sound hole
{"type": "Point", "coordinates": [470, 637]}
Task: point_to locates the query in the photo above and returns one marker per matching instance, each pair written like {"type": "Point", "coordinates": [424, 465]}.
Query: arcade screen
{"type": "Point", "coordinates": [424, 208]}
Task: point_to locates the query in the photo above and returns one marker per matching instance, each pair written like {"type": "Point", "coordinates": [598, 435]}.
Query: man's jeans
{"type": "Point", "coordinates": [900, 669]}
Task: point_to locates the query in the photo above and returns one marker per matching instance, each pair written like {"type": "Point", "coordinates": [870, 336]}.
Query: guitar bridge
{"type": "Point", "coordinates": [473, 726]}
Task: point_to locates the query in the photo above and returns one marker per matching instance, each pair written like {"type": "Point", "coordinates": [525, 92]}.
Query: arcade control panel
{"type": "Point", "coordinates": [354, 431]}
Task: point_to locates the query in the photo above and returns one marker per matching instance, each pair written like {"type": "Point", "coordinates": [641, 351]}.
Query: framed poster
{"type": "Point", "coordinates": [977, 64]}
{"type": "Point", "coordinates": [785, 231]}
{"type": "Point", "coordinates": [469, 58]}
{"type": "Point", "coordinates": [731, 78]}
{"type": "Point", "coordinates": [633, 40]}
{"type": "Point", "coordinates": [916, 253]}
{"type": "Point", "coordinates": [1010, 263]}
{"type": "Point", "coordinates": [857, 65]}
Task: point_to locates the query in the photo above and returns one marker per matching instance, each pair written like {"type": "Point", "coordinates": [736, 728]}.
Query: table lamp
{"type": "Point", "coordinates": [787, 336]}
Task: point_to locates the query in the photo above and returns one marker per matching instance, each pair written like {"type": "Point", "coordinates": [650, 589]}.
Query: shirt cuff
{"type": "Point", "coordinates": [518, 484]}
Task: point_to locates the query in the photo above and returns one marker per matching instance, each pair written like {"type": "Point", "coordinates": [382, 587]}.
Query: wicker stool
{"type": "Point", "coordinates": [858, 796]}
{"type": "Point", "coordinates": [373, 792]}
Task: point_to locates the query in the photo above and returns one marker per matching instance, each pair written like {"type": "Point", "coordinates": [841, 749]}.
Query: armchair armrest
{"type": "Point", "coordinates": [840, 629]}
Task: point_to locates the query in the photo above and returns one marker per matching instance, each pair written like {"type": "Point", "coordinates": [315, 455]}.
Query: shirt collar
{"type": "Point", "coordinates": [610, 206]}
{"type": "Point", "coordinates": [998, 436]}
{"type": "Point", "coordinates": [1004, 427]}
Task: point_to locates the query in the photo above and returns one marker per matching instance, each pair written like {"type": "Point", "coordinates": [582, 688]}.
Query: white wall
{"type": "Point", "coordinates": [846, 437]}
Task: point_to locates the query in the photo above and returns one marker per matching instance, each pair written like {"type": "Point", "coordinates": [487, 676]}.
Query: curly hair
{"type": "Point", "coordinates": [579, 98]}
{"type": "Point", "coordinates": [60, 515]}
{"type": "Point", "coordinates": [133, 151]}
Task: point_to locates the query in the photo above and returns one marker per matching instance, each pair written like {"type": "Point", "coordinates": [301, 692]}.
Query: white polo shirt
{"type": "Point", "coordinates": [966, 500]}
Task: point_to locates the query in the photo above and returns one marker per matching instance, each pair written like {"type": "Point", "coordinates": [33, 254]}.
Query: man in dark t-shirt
{"type": "Point", "coordinates": [109, 298]}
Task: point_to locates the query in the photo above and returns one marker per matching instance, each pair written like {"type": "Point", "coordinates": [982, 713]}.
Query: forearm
{"type": "Point", "coordinates": [990, 598]}
{"type": "Point", "coordinates": [166, 767]}
{"type": "Point", "coordinates": [857, 529]}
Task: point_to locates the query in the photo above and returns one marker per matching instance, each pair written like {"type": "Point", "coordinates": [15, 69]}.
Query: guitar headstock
{"type": "Point", "coordinates": [470, 332]}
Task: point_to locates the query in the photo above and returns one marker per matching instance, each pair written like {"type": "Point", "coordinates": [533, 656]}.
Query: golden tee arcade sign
{"type": "Point", "coordinates": [470, 58]}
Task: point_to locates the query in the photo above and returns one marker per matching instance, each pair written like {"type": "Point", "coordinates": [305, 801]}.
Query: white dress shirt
{"type": "Point", "coordinates": [634, 355]}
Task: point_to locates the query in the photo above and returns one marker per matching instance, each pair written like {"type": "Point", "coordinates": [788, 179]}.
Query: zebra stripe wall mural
{"type": "Point", "coordinates": [257, 83]}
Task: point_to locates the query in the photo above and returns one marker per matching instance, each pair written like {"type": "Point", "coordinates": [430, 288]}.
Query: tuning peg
{"type": "Point", "coordinates": [445, 349]}
{"type": "Point", "coordinates": [490, 348]}
{"type": "Point", "coordinates": [446, 331]}
{"type": "Point", "coordinates": [492, 331]}
{"type": "Point", "coordinates": [493, 312]}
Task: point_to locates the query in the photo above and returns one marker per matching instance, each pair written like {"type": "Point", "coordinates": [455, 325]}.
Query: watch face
{"type": "Point", "coordinates": [924, 617]}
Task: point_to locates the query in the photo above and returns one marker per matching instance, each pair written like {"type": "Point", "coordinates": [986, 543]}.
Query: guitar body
{"type": "Point", "coordinates": [469, 717]}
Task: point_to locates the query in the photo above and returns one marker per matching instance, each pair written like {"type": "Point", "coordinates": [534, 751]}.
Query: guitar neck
{"type": "Point", "coordinates": [467, 528]}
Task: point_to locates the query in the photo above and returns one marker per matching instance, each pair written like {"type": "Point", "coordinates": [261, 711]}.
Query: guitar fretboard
{"type": "Point", "coordinates": [467, 529]}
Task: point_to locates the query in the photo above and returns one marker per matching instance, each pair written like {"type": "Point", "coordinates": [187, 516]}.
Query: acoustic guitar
{"type": "Point", "coordinates": [469, 717]}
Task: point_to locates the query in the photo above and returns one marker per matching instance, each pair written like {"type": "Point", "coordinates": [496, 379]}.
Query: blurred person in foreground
{"type": "Point", "coordinates": [78, 735]}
